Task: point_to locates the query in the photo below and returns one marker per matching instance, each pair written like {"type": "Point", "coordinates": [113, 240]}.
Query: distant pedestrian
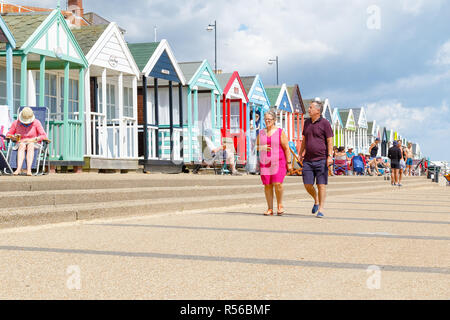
{"type": "Point", "coordinates": [395, 155]}
{"type": "Point", "coordinates": [402, 163]}
{"type": "Point", "coordinates": [373, 149]}
{"type": "Point", "coordinates": [409, 159]}
{"type": "Point", "coordinates": [318, 147]}
{"type": "Point", "coordinates": [275, 161]}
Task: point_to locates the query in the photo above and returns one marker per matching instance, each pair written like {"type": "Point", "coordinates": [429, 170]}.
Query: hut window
{"type": "Point", "coordinates": [16, 88]}
{"type": "Point", "coordinates": [128, 102]}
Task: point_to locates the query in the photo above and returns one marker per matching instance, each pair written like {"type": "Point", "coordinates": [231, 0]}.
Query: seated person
{"type": "Point", "coordinates": [350, 155]}
{"type": "Point", "coordinates": [26, 132]}
{"type": "Point", "coordinates": [221, 152]}
{"type": "Point", "coordinates": [340, 161]}
{"type": "Point", "coordinates": [359, 164]}
{"type": "Point", "coordinates": [381, 166]}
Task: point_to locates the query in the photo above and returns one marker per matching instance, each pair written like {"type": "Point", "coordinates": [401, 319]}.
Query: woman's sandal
{"type": "Point", "coordinates": [269, 212]}
{"type": "Point", "coordinates": [280, 213]}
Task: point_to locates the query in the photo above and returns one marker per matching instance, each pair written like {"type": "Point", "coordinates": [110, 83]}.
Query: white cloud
{"type": "Point", "coordinates": [443, 55]}
{"type": "Point", "coordinates": [427, 126]}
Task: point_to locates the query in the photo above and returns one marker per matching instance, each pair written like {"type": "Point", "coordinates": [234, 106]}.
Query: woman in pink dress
{"type": "Point", "coordinates": [275, 161]}
{"type": "Point", "coordinates": [26, 131]}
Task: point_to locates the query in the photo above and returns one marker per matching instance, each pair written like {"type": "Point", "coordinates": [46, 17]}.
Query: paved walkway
{"type": "Point", "coordinates": [390, 245]}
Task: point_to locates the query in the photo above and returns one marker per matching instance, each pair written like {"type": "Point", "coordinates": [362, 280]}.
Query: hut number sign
{"type": "Point", "coordinates": [164, 71]}
{"type": "Point", "coordinates": [113, 61]}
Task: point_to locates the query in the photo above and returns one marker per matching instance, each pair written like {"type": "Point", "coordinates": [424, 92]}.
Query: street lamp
{"type": "Point", "coordinates": [271, 61]}
{"type": "Point", "coordinates": [210, 28]}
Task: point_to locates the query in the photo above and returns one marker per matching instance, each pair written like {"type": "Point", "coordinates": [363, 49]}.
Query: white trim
{"type": "Point", "coordinates": [111, 30]}
{"type": "Point", "coordinates": [281, 94]}
{"type": "Point", "coordinates": [164, 45]}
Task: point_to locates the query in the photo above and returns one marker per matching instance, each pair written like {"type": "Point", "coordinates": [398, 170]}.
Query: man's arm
{"type": "Point", "coordinates": [330, 151]}
{"type": "Point", "coordinates": [302, 149]}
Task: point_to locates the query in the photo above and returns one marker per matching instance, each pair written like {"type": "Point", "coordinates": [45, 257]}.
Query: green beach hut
{"type": "Point", "coordinates": [52, 74]}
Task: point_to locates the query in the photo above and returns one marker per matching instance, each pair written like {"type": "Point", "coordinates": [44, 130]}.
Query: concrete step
{"type": "Point", "coordinates": [113, 207]}
{"type": "Point", "coordinates": [77, 196]}
{"type": "Point", "coordinates": [117, 181]}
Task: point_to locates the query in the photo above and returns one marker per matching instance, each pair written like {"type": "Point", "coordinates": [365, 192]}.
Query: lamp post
{"type": "Point", "coordinates": [271, 61]}
{"type": "Point", "coordinates": [212, 27]}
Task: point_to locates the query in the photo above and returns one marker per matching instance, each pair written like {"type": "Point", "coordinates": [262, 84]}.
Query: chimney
{"type": "Point", "coordinates": [76, 7]}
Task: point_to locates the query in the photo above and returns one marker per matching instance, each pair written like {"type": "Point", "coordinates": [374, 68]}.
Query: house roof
{"type": "Point", "coordinates": [22, 26]}
{"type": "Point", "coordinates": [87, 36]}
{"type": "Point", "coordinates": [344, 116]}
{"type": "Point", "coordinates": [272, 94]}
{"type": "Point", "coordinates": [142, 52]}
{"type": "Point", "coordinates": [247, 82]}
{"type": "Point", "coordinates": [5, 34]}
{"type": "Point", "coordinates": [223, 79]}
{"type": "Point", "coordinates": [189, 69]}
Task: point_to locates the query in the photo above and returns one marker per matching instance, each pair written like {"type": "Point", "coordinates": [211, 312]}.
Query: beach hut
{"type": "Point", "coordinates": [111, 98]}
{"type": "Point", "coordinates": [298, 116]}
{"type": "Point", "coordinates": [338, 129]}
{"type": "Point", "coordinates": [234, 102]}
{"type": "Point", "coordinates": [362, 141]}
{"type": "Point", "coordinates": [201, 101]}
{"type": "Point", "coordinates": [7, 70]}
{"type": "Point", "coordinates": [361, 135]}
{"type": "Point", "coordinates": [159, 117]}
{"type": "Point", "coordinates": [384, 142]}
{"type": "Point", "coordinates": [349, 122]}
{"type": "Point", "coordinates": [327, 113]}
{"type": "Point", "coordinates": [280, 99]}
{"type": "Point", "coordinates": [52, 74]}
{"type": "Point", "coordinates": [258, 105]}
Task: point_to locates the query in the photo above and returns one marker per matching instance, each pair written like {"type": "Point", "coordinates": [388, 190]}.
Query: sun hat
{"type": "Point", "coordinates": [26, 116]}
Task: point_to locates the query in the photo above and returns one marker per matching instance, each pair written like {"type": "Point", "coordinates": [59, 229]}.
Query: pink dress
{"type": "Point", "coordinates": [272, 163]}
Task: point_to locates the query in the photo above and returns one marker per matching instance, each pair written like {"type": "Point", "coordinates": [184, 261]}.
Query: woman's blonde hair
{"type": "Point", "coordinates": [271, 113]}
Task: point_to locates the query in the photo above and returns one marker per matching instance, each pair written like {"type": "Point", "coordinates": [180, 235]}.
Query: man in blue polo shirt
{"type": "Point", "coordinates": [318, 147]}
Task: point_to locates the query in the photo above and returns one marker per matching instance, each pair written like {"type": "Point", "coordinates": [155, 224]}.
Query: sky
{"type": "Point", "coordinates": [390, 57]}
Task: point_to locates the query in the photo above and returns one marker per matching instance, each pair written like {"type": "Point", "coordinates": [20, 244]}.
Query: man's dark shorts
{"type": "Point", "coordinates": [316, 171]}
{"type": "Point", "coordinates": [395, 165]}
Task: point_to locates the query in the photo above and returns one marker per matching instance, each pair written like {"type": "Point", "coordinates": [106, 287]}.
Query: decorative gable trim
{"type": "Point", "coordinates": [257, 83]}
{"type": "Point", "coordinates": [163, 46]}
{"type": "Point", "coordinates": [110, 31]}
{"type": "Point", "coordinates": [39, 35]}
{"type": "Point", "coordinates": [235, 76]}
{"type": "Point", "coordinates": [205, 68]}
{"type": "Point", "coordinates": [283, 92]}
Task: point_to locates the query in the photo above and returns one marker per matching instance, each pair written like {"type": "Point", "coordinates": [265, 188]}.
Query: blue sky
{"type": "Point", "coordinates": [392, 57]}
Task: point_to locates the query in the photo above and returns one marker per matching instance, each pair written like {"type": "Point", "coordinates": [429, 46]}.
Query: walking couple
{"type": "Point", "coordinates": [315, 157]}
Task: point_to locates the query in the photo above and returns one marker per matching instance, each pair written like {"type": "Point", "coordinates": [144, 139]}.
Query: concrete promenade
{"type": "Point", "coordinates": [385, 243]}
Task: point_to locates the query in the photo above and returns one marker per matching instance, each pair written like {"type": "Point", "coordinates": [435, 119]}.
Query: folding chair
{"type": "Point", "coordinates": [5, 123]}
{"type": "Point", "coordinates": [296, 171]}
{"type": "Point", "coordinates": [340, 166]}
{"type": "Point", "coordinates": [358, 165]}
{"type": "Point", "coordinates": [41, 153]}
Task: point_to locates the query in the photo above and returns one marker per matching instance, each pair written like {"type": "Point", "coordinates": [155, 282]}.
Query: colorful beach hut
{"type": "Point", "coordinates": [111, 98]}
{"type": "Point", "coordinates": [258, 105]}
{"type": "Point", "coordinates": [202, 111]}
{"type": "Point", "coordinates": [348, 119]}
{"type": "Point", "coordinates": [159, 117]}
{"type": "Point", "coordinates": [280, 99]}
{"type": "Point", "coordinates": [234, 102]}
{"type": "Point", "coordinates": [338, 129]}
{"type": "Point", "coordinates": [7, 70]}
{"type": "Point", "coordinates": [361, 139]}
{"type": "Point", "coordinates": [384, 142]}
{"type": "Point", "coordinates": [52, 75]}
{"type": "Point", "coordinates": [298, 116]}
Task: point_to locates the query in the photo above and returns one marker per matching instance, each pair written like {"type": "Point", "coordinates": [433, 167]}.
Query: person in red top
{"type": "Point", "coordinates": [26, 131]}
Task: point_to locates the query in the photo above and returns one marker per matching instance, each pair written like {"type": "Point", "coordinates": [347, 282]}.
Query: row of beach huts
{"type": "Point", "coordinates": [115, 105]}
